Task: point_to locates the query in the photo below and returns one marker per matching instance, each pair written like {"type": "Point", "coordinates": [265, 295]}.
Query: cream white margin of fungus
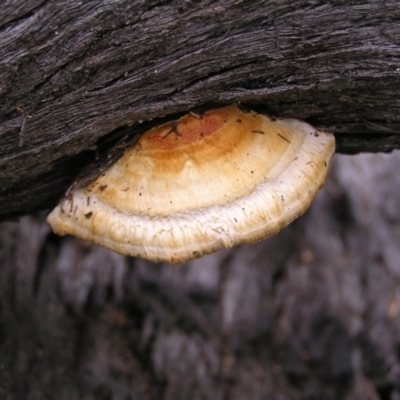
{"type": "Point", "coordinates": [193, 186]}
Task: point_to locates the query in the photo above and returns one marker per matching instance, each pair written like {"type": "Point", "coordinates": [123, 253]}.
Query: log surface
{"type": "Point", "coordinates": [74, 75]}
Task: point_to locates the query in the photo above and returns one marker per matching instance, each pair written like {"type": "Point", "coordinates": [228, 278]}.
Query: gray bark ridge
{"type": "Point", "coordinates": [311, 313]}
{"type": "Point", "coordinates": [74, 73]}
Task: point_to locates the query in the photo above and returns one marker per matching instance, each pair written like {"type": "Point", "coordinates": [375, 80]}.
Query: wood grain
{"type": "Point", "coordinates": [75, 74]}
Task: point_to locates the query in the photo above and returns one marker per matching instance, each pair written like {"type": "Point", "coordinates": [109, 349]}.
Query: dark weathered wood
{"type": "Point", "coordinates": [313, 313]}
{"type": "Point", "coordinates": [72, 73]}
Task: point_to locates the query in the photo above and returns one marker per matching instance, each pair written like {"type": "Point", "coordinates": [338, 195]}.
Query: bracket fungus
{"type": "Point", "coordinates": [190, 187]}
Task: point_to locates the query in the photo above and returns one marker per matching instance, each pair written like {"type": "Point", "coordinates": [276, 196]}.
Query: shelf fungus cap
{"type": "Point", "coordinates": [193, 186]}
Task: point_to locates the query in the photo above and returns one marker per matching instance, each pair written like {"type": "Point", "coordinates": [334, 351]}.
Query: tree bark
{"type": "Point", "coordinates": [312, 313]}
{"type": "Point", "coordinates": [78, 73]}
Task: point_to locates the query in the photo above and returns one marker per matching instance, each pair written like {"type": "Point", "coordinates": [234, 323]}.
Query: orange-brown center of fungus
{"type": "Point", "coordinates": [189, 130]}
